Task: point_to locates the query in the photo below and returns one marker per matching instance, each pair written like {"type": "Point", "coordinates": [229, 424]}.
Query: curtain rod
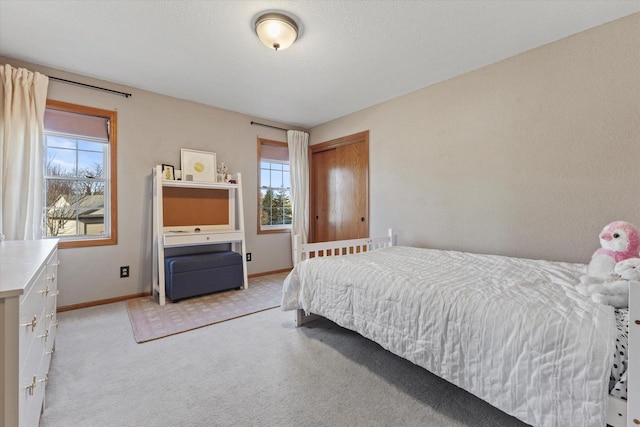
{"type": "Point", "coordinates": [269, 126]}
{"type": "Point", "coordinates": [71, 82]}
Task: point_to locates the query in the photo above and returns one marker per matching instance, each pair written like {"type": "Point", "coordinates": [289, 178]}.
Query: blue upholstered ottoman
{"type": "Point", "coordinates": [199, 274]}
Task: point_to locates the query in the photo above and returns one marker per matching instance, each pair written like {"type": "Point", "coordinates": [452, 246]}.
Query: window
{"type": "Point", "coordinates": [274, 192]}
{"type": "Point", "coordinates": [80, 204]}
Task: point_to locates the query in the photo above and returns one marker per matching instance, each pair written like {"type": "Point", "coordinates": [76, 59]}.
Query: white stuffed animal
{"type": "Point", "coordinates": [613, 290]}
{"type": "Point", "coordinates": [619, 240]}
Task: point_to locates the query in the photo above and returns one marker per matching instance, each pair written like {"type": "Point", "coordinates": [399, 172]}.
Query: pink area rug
{"type": "Point", "coordinates": [151, 321]}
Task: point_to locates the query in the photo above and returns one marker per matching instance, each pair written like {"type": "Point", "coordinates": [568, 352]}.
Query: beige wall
{"type": "Point", "coordinates": [151, 130]}
{"type": "Point", "coordinates": [528, 157]}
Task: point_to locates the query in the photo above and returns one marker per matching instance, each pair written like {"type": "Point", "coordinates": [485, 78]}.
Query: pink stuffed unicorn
{"type": "Point", "coordinates": [619, 240]}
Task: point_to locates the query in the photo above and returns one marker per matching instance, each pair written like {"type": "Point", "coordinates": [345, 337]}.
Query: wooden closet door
{"type": "Point", "coordinates": [340, 189]}
{"type": "Point", "coordinates": [350, 196]}
{"type": "Point", "coordinates": [323, 188]}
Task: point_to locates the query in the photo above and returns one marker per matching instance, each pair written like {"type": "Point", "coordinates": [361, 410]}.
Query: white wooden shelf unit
{"type": "Point", "coordinates": [191, 214]}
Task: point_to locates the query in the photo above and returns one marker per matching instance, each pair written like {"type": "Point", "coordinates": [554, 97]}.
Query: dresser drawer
{"type": "Point", "coordinates": [32, 313]}
{"type": "Point", "coordinates": [51, 293]}
{"type": "Point", "coordinates": [52, 327]}
{"type": "Point", "coordinates": [31, 392]}
{"type": "Point", "coordinates": [51, 282]}
{"type": "Point", "coordinates": [34, 348]}
{"type": "Point", "coordinates": [52, 271]}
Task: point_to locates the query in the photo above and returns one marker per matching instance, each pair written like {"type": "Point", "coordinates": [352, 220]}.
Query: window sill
{"type": "Point", "coordinates": [275, 230]}
{"type": "Point", "coordinates": [70, 244]}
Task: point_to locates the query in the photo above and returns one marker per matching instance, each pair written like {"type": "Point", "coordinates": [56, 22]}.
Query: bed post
{"type": "Point", "coordinates": [297, 242]}
{"type": "Point", "coordinates": [301, 317]}
{"type": "Point", "coordinates": [633, 374]}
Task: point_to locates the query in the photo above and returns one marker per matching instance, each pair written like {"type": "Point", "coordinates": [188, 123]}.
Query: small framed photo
{"type": "Point", "coordinates": [199, 166]}
{"type": "Point", "coordinates": [167, 172]}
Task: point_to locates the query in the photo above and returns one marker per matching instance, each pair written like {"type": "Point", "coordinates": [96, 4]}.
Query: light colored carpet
{"type": "Point", "coordinates": [151, 320]}
{"type": "Point", "coordinates": [257, 370]}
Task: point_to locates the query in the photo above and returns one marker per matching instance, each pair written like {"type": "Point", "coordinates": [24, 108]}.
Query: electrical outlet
{"type": "Point", "coordinates": [248, 256]}
{"type": "Point", "coordinates": [124, 271]}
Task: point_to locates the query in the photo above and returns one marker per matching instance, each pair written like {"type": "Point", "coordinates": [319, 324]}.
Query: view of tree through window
{"type": "Point", "coordinates": [74, 185]}
{"type": "Point", "coordinates": [275, 194]}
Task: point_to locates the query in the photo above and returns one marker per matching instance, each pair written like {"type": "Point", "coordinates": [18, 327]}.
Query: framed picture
{"type": "Point", "coordinates": [198, 166]}
{"type": "Point", "coordinates": [167, 172]}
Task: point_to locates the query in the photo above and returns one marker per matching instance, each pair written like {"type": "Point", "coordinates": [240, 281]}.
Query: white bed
{"type": "Point", "coordinates": [512, 331]}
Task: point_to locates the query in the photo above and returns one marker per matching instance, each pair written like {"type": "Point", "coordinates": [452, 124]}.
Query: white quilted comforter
{"type": "Point", "coordinates": [514, 332]}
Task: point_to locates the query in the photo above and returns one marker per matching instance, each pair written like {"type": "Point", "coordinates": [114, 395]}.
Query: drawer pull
{"type": "Point", "coordinates": [45, 335]}
{"type": "Point", "coordinates": [31, 387]}
{"type": "Point", "coordinates": [45, 291]}
{"type": "Point", "coordinates": [51, 315]}
{"type": "Point", "coordinates": [55, 293]}
{"type": "Point", "coordinates": [33, 323]}
{"type": "Point", "coordinates": [52, 277]}
{"type": "Point", "coordinates": [53, 350]}
{"type": "Point", "coordinates": [45, 379]}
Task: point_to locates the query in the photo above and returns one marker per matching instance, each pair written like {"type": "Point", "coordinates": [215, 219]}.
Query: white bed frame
{"type": "Point", "coordinates": [619, 413]}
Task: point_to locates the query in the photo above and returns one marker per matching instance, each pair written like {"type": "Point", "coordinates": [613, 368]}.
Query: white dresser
{"type": "Point", "coordinates": [28, 296]}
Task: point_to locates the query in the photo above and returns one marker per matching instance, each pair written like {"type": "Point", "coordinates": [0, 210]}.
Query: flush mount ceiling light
{"type": "Point", "coordinates": [276, 31]}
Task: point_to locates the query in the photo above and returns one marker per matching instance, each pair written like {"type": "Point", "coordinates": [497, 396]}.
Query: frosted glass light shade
{"type": "Point", "coordinates": [276, 31]}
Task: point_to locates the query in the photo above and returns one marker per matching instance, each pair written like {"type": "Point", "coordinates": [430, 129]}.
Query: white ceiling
{"type": "Point", "coordinates": [350, 54]}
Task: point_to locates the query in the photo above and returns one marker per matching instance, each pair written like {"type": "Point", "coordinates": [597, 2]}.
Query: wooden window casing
{"type": "Point", "coordinates": [112, 117]}
{"type": "Point", "coordinates": [262, 144]}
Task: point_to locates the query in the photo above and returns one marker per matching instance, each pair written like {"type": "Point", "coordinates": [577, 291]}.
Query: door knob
{"type": "Point", "coordinates": [362, 219]}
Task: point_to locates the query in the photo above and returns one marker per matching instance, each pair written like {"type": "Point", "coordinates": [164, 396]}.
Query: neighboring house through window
{"type": "Point", "coordinates": [80, 204]}
{"type": "Point", "coordinates": [274, 187]}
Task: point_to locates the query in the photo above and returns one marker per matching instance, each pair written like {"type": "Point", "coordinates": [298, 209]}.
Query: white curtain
{"type": "Point", "coordinates": [23, 95]}
{"type": "Point", "coordinates": [298, 143]}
